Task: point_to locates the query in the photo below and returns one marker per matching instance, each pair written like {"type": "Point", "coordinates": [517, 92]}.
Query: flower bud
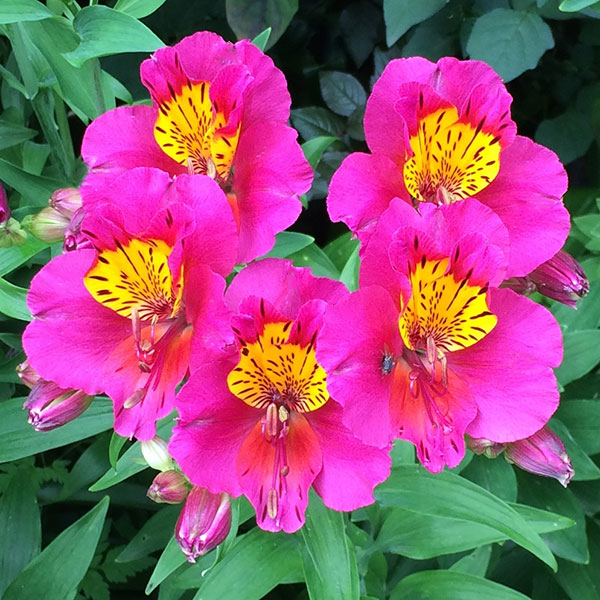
{"type": "Point", "coordinates": [156, 454]}
{"type": "Point", "coordinates": [169, 486]}
{"type": "Point", "coordinates": [520, 285]}
{"type": "Point", "coordinates": [12, 234]}
{"type": "Point", "coordinates": [4, 208]}
{"type": "Point", "coordinates": [66, 201]}
{"type": "Point", "coordinates": [204, 522]}
{"type": "Point", "coordinates": [51, 406]}
{"type": "Point", "coordinates": [48, 225]}
{"type": "Point", "coordinates": [543, 453]}
{"type": "Point", "coordinates": [27, 375]}
{"type": "Point", "coordinates": [561, 278]}
{"type": "Point", "coordinates": [74, 239]}
{"type": "Point", "coordinates": [485, 447]}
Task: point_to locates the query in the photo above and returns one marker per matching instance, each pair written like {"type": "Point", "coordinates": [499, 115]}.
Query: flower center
{"type": "Point", "coordinates": [134, 280]}
{"type": "Point", "coordinates": [451, 160]}
{"type": "Point", "coordinates": [191, 129]}
{"type": "Point", "coordinates": [443, 314]}
{"type": "Point", "coordinates": [273, 371]}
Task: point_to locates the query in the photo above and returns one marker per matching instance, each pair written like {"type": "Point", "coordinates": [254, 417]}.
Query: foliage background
{"type": "Point", "coordinates": [74, 519]}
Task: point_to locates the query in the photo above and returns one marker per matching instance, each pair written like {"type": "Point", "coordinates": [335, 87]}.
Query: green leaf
{"type": "Point", "coordinates": [19, 438]}
{"type": "Point", "coordinates": [581, 355]}
{"type": "Point", "coordinates": [315, 121]}
{"type": "Point", "coordinates": [66, 558]}
{"type": "Point", "coordinates": [585, 468]}
{"type": "Point", "coordinates": [341, 249]}
{"type": "Point", "coordinates": [546, 493]}
{"type": "Point", "coordinates": [170, 560]}
{"type": "Point", "coordinates": [12, 134]}
{"type": "Point", "coordinates": [569, 135]}
{"type": "Point", "coordinates": [349, 274]}
{"type": "Point", "coordinates": [288, 242]}
{"type": "Point", "coordinates": [495, 475]}
{"type": "Point", "coordinates": [511, 41]}
{"type": "Point", "coordinates": [116, 444]}
{"type": "Point", "coordinates": [475, 563]}
{"type": "Point", "coordinates": [13, 11]}
{"type": "Point", "coordinates": [342, 92]}
{"type": "Point", "coordinates": [35, 189]}
{"type": "Point", "coordinates": [105, 32]}
{"type": "Point", "coordinates": [360, 24]}
{"type": "Point", "coordinates": [587, 315]}
{"type": "Point", "coordinates": [401, 15]}
{"type": "Point", "coordinates": [582, 419]}
{"type": "Point", "coordinates": [138, 8]}
{"type": "Point", "coordinates": [327, 550]}
{"type": "Point", "coordinates": [312, 256]}
{"type": "Point", "coordinates": [450, 495]}
{"type": "Point", "coordinates": [313, 149]}
{"type": "Point", "coordinates": [248, 18]}
{"type": "Point", "coordinates": [261, 40]}
{"type": "Point", "coordinates": [274, 556]}
{"type": "Point", "coordinates": [421, 536]}
{"type": "Point", "coordinates": [154, 535]}
{"type": "Point", "coordinates": [13, 301]}
{"type": "Point", "coordinates": [575, 5]}
{"type": "Point", "coordinates": [449, 585]}
{"type": "Point", "coordinates": [19, 520]}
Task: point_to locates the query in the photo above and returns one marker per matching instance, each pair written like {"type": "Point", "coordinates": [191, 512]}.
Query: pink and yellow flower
{"type": "Point", "coordinates": [427, 349]}
{"type": "Point", "coordinates": [219, 110]}
{"type": "Point", "coordinates": [120, 317]}
{"type": "Point", "coordinates": [442, 132]}
{"type": "Point", "coordinates": [259, 412]}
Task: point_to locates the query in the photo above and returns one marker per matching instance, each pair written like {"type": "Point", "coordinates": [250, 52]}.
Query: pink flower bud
{"type": "Point", "coordinates": [169, 486]}
{"type": "Point", "coordinates": [66, 201]}
{"type": "Point", "coordinates": [543, 453]}
{"type": "Point", "coordinates": [561, 278]}
{"type": "Point", "coordinates": [156, 454]}
{"type": "Point", "coordinates": [486, 447]}
{"type": "Point", "coordinates": [204, 522]}
{"type": "Point", "coordinates": [28, 376]}
{"type": "Point", "coordinates": [520, 285]}
{"type": "Point", "coordinates": [51, 406]}
{"type": "Point", "coordinates": [4, 208]}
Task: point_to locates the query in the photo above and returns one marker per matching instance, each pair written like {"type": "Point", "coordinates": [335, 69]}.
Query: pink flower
{"type": "Point", "coordinates": [260, 414]}
{"type": "Point", "coordinates": [204, 522]}
{"type": "Point", "coordinates": [120, 317]}
{"type": "Point", "coordinates": [441, 133]}
{"type": "Point", "coordinates": [426, 350]}
{"type": "Point", "coordinates": [221, 110]}
{"type": "Point", "coordinates": [169, 487]}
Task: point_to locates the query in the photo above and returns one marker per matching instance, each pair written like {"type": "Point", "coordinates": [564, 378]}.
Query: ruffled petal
{"type": "Point", "coordinates": [270, 173]}
{"type": "Point", "coordinates": [71, 334]}
{"type": "Point", "coordinates": [526, 195]}
{"type": "Point", "coordinates": [510, 370]}
{"type": "Point", "coordinates": [357, 346]}
{"type": "Point", "coordinates": [351, 469]}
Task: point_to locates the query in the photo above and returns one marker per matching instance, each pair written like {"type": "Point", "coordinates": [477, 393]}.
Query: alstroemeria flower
{"type": "Point", "coordinates": [220, 110]}
{"type": "Point", "coordinates": [442, 132]}
{"type": "Point", "coordinates": [259, 414]}
{"type": "Point", "coordinates": [427, 350]}
{"type": "Point", "coordinates": [119, 318]}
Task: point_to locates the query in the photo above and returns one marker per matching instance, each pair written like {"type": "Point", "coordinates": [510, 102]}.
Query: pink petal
{"type": "Point", "coordinates": [123, 138]}
{"type": "Point", "coordinates": [71, 334]}
{"type": "Point", "coordinates": [509, 371]}
{"type": "Point", "coordinates": [526, 195]}
{"type": "Point", "coordinates": [351, 469]}
{"type": "Point", "coordinates": [362, 189]}
{"type": "Point", "coordinates": [270, 173]}
{"type": "Point", "coordinates": [358, 333]}
{"type": "Point", "coordinates": [255, 466]}
{"type": "Point", "coordinates": [212, 427]}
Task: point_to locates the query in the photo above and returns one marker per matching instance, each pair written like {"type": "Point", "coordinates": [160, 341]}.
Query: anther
{"type": "Point", "coordinates": [272, 503]}
{"type": "Point", "coordinates": [272, 420]}
{"type": "Point", "coordinates": [135, 398]}
{"type": "Point", "coordinates": [285, 470]}
{"type": "Point", "coordinates": [283, 414]}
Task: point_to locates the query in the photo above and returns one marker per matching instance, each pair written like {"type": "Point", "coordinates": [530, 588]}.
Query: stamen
{"type": "Point", "coordinates": [272, 503]}
{"type": "Point", "coordinates": [271, 421]}
{"type": "Point", "coordinates": [135, 398]}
